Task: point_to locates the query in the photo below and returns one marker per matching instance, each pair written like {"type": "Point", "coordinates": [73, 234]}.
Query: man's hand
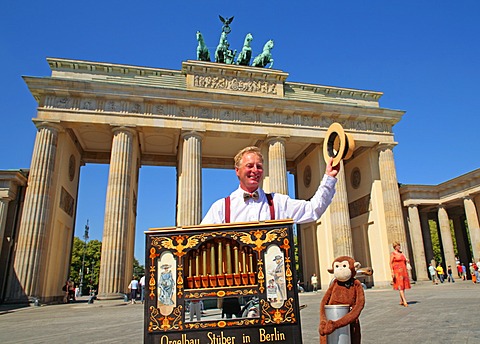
{"type": "Point", "coordinates": [332, 171]}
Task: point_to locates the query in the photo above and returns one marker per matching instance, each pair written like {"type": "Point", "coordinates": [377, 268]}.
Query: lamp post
{"type": "Point", "coordinates": [85, 237]}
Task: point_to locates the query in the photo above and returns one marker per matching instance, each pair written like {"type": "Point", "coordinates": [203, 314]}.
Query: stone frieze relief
{"type": "Point", "coordinates": [204, 113]}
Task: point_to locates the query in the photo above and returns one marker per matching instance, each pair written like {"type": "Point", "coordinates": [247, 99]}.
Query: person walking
{"type": "Point", "coordinates": [398, 266]}
{"type": "Point", "coordinates": [133, 287]}
{"type": "Point", "coordinates": [464, 272]}
{"type": "Point", "coordinates": [450, 275]}
{"type": "Point", "coordinates": [314, 281]}
{"type": "Point", "coordinates": [473, 273]}
{"type": "Point", "coordinates": [440, 272]}
{"type": "Point", "coordinates": [142, 288]}
{"type": "Point", "coordinates": [433, 273]}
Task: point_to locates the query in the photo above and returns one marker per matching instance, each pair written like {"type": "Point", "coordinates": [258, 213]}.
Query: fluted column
{"type": "Point", "coordinates": [461, 237]}
{"type": "Point", "coordinates": [473, 225]}
{"type": "Point", "coordinates": [36, 213]}
{"type": "Point", "coordinates": [340, 218]}
{"type": "Point", "coordinates": [3, 218]}
{"type": "Point", "coordinates": [446, 234]}
{"type": "Point", "coordinates": [391, 197]}
{"type": "Point", "coordinates": [277, 165]}
{"type": "Point", "coordinates": [415, 229]}
{"type": "Point", "coordinates": [427, 237]}
{"type": "Point", "coordinates": [116, 224]}
{"type": "Point", "coordinates": [189, 209]}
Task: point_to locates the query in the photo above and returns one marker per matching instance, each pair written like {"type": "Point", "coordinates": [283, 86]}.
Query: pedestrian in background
{"type": "Point", "coordinates": [464, 272]}
{"type": "Point", "coordinates": [440, 272]}
{"type": "Point", "coordinates": [133, 287]}
{"type": "Point", "coordinates": [314, 281]}
{"type": "Point", "coordinates": [398, 265]}
{"type": "Point", "coordinates": [433, 273]}
{"type": "Point", "coordinates": [142, 288]}
{"type": "Point", "coordinates": [449, 274]}
{"type": "Point", "coordinates": [473, 273]}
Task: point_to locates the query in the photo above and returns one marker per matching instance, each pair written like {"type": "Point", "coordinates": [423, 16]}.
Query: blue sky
{"type": "Point", "coordinates": [422, 54]}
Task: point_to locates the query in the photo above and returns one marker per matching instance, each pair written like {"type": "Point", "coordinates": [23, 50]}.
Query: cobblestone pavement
{"type": "Point", "coordinates": [445, 313]}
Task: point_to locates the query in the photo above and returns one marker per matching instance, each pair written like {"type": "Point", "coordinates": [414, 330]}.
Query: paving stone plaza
{"type": "Point", "coordinates": [445, 313]}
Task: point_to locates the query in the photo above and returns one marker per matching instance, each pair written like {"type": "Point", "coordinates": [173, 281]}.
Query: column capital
{"type": "Point", "coordinates": [442, 206]}
{"type": "Point", "coordinates": [276, 138]}
{"type": "Point", "coordinates": [383, 146]}
{"type": "Point", "coordinates": [125, 129]}
{"type": "Point", "coordinates": [40, 124]}
{"type": "Point", "coordinates": [192, 133]}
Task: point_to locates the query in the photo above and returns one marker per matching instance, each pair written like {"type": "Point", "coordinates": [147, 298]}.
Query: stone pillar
{"type": "Point", "coordinates": [417, 243]}
{"type": "Point", "coordinates": [277, 165]}
{"type": "Point", "coordinates": [30, 249]}
{"type": "Point", "coordinates": [461, 238]}
{"type": "Point", "coordinates": [340, 219]}
{"type": "Point", "coordinates": [113, 270]}
{"type": "Point", "coordinates": [447, 242]}
{"type": "Point", "coordinates": [473, 225]}
{"type": "Point", "coordinates": [391, 197]}
{"type": "Point", "coordinates": [3, 218]}
{"type": "Point", "coordinates": [427, 237]}
{"type": "Point", "coordinates": [189, 207]}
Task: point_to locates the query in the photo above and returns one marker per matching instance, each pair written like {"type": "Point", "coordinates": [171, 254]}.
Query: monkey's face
{"type": "Point", "coordinates": [342, 270]}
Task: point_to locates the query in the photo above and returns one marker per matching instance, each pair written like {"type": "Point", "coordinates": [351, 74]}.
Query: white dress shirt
{"type": "Point", "coordinates": [299, 211]}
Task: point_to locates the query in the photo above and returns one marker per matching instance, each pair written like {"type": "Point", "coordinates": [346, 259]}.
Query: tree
{"type": "Point", "coordinates": [91, 270]}
{"type": "Point", "coordinates": [138, 269]}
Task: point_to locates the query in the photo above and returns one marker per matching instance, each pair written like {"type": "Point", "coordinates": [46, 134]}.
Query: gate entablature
{"type": "Point", "coordinates": [90, 97]}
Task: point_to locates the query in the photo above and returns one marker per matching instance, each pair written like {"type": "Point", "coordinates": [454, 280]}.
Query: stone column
{"type": "Point", "coordinates": [427, 237]}
{"type": "Point", "coordinates": [340, 218]}
{"type": "Point", "coordinates": [391, 197]}
{"type": "Point", "coordinates": [112, 281]}
{"type": "Point", "coordinates": [3, 218]}
{"type": "Point", "coordinates": [447, 242]}
{"type": "Point", "coordinates": [417, 243]}
{"type": "Point", "coordinates": [461, 238]}
{"type": "Point", "coordinates": [189, 208]}
{"type": "Point", "coordinates": [30, 249]}
{"type": "Point", "coordinates": [473, 225]}
{"type": "Point", "coordinates": [277, 165]}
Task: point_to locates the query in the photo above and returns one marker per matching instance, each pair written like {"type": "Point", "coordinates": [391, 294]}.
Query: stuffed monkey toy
{"type": "Point", "coordinates": [343, 290]}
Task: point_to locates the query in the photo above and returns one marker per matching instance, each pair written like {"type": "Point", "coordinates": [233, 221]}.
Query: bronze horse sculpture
{"type": "Point", "coordinates": [246, 54]}
{"type": "Point", "coordinates": [202, 51]}
{"type": "Point", "coordinates": [222, 47]}
{"type": "Point", "coordinates": [265, 57]}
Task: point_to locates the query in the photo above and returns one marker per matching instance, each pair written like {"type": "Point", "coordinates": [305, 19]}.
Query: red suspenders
{"type": "Point", "coordinates": [270, 205]}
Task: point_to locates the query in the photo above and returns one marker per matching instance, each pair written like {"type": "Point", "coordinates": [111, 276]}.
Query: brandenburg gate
{"type": "Point", "coordinates": [193, 118]}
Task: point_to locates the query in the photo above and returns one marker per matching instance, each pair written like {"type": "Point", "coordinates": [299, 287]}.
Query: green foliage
{"type": "Point", "coordinates": [138, 269]}
{"type": "Point", "coordinates": [91, 270]}
{"type": "Point", "coordinates": [437, 254]}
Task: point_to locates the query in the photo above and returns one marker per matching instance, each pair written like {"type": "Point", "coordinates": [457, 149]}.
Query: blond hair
{"type": "Point", "coordinates": [246, 150]}
{"type": "Point", "coordinates": [395, 243]}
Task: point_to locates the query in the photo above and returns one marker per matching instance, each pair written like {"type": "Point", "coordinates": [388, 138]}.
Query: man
{"type": "Point", "coordinates": [250, 203]}
{"type": "Point", "coordinates": [433, 273]}
{"type": "Point", "coordinates": [133, 287]}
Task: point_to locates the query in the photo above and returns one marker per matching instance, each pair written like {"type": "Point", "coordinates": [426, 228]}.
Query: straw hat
{"type": "Point", "coordinates": [338, 144]}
